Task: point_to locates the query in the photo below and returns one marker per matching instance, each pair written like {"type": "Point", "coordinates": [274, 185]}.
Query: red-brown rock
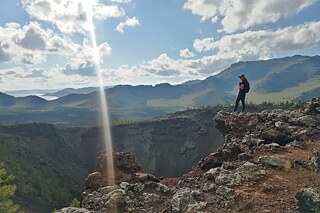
{"type": "Point", "coordinates": [127, 169]}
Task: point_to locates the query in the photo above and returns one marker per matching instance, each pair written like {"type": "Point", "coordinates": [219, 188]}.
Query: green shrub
{"type": "Point", "coordinates": [7, 191]}
{"type": "Point", "coordinates": [75, 203]}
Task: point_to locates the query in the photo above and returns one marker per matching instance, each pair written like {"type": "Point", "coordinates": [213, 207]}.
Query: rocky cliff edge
{"type": "Point", "coordinates": [269, 162]}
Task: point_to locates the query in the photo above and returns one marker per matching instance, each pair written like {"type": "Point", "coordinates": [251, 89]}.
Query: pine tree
{"type": "Point", "coordinates": [7, 191]}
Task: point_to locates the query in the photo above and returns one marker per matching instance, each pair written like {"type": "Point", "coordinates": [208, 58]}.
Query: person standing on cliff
{"type": "Point", "coordinates": [244, 88]}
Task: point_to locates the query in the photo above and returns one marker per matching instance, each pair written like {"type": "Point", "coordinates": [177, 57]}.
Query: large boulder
{"type": "Point", "coordinates": [275, 162]}
{"type": "Point", "coordinates": [308, 201]}
{"type": "Point", "coordinates": [247, 172]}
{"type": "Point", "coordinates": [181, 200]}
{"type": "Point", "coordinates": [73, 210]}
{"type": "Point", "coordinates": [187, 200]}
{"type": "Point", "coordinates": [127, 169]}
{"type": "Point", "coordinates": [307, 120]}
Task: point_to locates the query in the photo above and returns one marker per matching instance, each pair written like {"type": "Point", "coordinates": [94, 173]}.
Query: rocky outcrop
{"type": "Point", "coordinates": [133, 190]}
{"type": "Point", "coordinates": [270, 126]}
{"type": "Point", "coordinates": [127, 197]}
{"type": "Point", "coordinates": [267, 158]}
{"type": "Point", "coordinates": [268, 129]}
{"type": "Point", "coordinates": [127, 169]}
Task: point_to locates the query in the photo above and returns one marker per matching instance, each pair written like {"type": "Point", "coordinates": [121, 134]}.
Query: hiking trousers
{"type": "Point", "coordinates": [241, 97]}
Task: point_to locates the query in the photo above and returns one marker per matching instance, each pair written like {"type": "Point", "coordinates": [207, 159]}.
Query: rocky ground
{"type": "Point", "coordinates": [269, 162]}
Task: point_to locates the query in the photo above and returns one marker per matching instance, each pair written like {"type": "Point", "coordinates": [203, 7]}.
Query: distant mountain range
{"type": "Point", "coordinates": [69, 91]}
{"type": "Point", "coordinates": [290, 78]}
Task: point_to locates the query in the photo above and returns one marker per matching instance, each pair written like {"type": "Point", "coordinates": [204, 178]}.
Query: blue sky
{"type": "Point", "coordinates": [44, 44]}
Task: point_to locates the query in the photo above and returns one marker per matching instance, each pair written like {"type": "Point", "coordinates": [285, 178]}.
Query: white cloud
{"type": "Point", "coordinates": [102, 12]}
{"type": "Point", "coordinates": [242, 14]}
{"type": "Point", "coordinates": [206, 9]}
{"type": "Point", "coordinates": [121, 1]}
{"type": "Point", "coordinates": [69, 15]}
{"type": "Point", "coordinates": [82, 63]}
{"type": "Point", "coordinates": [250, 45]}
{"type": "Point", "coordinates": [129, 22]}
{"type": "Point", "coordinates": [85, 56]}
{"type": "Point", "coordinates": [186, 53]}
{"type": "Point", "coordinates": [4, 56]}
{"type": "Point", "coordinates": [30, 44]}
{"type": "Point", "coordinates": [203, 44]}
{"type": "Point", "coordinates": [264, 43]}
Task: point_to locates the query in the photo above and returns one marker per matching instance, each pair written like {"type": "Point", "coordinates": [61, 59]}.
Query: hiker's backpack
{"type": "Point", "coordinates": [246, 87]}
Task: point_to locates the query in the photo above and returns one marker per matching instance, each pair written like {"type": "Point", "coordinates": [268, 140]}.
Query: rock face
{"type": "Point", "coordinates": [169, 146]}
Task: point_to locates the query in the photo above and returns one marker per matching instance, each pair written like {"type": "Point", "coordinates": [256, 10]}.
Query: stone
{"type": "Point", "coordinates": [73, 210]}
{"type": "Point", "coordinates": [181, 200]}
{"type": "Point", "coordinates": [107, 189]}
{"type": "Point", "coordinates": [116, 202]}
{"type": "Point", "coordinates": [198, 195]}
{"type": "Point", "coordinates": [211, 174]}
{"type": "Point", "coordinates": [208, 187]}
{"type": "Point", "coordinates": [307, 121]}
{"type": "Point", "coordinates": [151, 198]}
{"type": "Point", "coordinates": [163, 188]}
{"type": "Point", "coordinates": [281, 125]}
{"type": "Point", "coordinates": [273, 135]}
{"type": "Point", "coordinates": [308, 201]}
{"type": "Point", "coordinates": [316, 158]}
{"type": "Point", "coordinates": [244, 156]}
{"type": "Point", "coordinates": [274, 147]}
{"type": "Point", "coordinates": [267, 187]}
{"type": "Point", "coordinates": [225, 192]}
{"type": "Point", "coordinates": [197, 207]}
{"type": "Point", "coordinates": [124, 185]}
{"type": "Point", "coordinates": [275, 162]}
{"type": "Point", "coordinates": [158, 187]}
{"type": "Point", "coordinates": [225, 177]}
{"type": "Point", "coordinates": [247, 172]}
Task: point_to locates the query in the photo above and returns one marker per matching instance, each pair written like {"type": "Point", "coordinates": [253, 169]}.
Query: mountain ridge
{"type": "Point", "coordinates": [277, 80]}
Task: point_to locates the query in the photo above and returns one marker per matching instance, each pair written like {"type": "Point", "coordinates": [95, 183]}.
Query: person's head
{"type": "Point", "coordinates": [242, 77]}
{"type": "Point", "coordinates": [313, 100]}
